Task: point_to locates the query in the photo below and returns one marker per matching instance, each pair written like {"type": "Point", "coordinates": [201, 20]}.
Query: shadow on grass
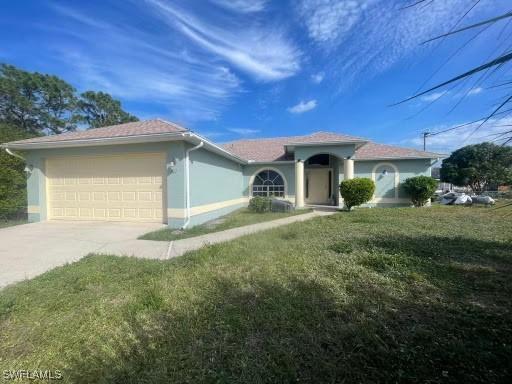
{"type": "Point", "coordinates": [259, 331]}
{"type": "Point", "coordinates": [459, 266]}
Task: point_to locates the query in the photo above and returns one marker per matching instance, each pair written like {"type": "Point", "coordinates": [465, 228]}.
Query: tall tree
{"type": "Point", "coordinates": [99, 109]}
{"type": "Point", "coordinates": [13, 193]}
{"type": "Point", "coordinates": [36, 102]}
{"type": "Point", "coordinates": [478, 166]}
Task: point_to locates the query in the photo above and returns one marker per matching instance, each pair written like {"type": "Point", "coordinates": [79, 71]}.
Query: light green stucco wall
{"type": "Point", "coordinates": [214, 178]}
{"type": "Point", "coordinates": [341, 151]}
{"type": "Point", "coordinates": [406, 169]}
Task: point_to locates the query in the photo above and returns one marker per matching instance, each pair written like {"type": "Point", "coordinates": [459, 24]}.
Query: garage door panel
{"type": "Point", "coordinates": [124, 188]}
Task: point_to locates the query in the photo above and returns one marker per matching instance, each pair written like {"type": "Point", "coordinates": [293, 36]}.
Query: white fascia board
{"type": "Point", "coordinates": [397, 158]}
{"type": "Point", "coordinates": [272, 162]}
{"type": "Point", "coordinates": [194, 138]}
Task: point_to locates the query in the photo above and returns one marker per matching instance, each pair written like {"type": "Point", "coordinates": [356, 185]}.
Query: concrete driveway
{"type": "Point", "coordinates": [31, 249]}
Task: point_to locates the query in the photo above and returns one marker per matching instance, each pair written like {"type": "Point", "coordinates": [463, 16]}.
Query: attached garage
{"type": "Point", "coordinates": [127, 187]}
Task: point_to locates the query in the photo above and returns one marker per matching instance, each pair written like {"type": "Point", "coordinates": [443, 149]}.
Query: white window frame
{"type": "Point", "coordinates": [253, 177]}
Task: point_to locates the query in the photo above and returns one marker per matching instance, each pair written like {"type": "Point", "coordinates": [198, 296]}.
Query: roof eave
{"type": "Point", "coordinates": [271, 161]}
{"type": "Point", "coordinates": [398, 158]}
{"type": "Point", "coordinates": [196, 139]}
{"type": "Point", "coordinates": [135, 139]}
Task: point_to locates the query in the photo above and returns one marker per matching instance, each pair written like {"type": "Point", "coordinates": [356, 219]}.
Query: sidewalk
{"type": "Point", "coordinates": [179, 247]}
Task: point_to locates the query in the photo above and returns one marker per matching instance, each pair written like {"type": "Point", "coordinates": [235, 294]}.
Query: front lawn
{"type": "Point", "coordinates": [371, 296]}
{"type": "Point", "coordinates": [235, 219]}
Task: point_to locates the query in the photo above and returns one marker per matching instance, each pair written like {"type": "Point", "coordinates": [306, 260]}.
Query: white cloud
{"type": "Point", "coordinates": [317, 78]}
{"type": "Point", "coordinates": [457, 138]}
{"type": "Point", "coordinates": [243, 6]}
{"type": "Point", "coordinates": [433, 96]}
{"type": "Point", "coordinates": [364, 38]}
{"type": "Point", "coordinates": [303, 106]}
{"type": "Point", "coordinates": [244, 131]}
{"type": "Point", "coordinates": [328, 20]}
{"type": "Point", "coordinates": [475, 91]}
{"type": "Point", "coordinates": [264, 53]}
{"type": "Point", "coordinates": [136, 65]}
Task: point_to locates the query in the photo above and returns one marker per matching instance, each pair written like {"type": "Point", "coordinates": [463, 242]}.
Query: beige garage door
{"type": "Point", "coordinates": [127, 187]}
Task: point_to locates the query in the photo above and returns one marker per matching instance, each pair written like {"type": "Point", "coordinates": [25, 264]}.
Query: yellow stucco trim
{"type": "Point", "coordinates": [180, 213]}
{"type": "Point", "coordinates": [33, 209]}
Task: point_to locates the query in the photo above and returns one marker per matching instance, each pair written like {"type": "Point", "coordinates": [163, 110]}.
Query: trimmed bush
{"type": "Point", "coordinates": [260, 204]}
{"type": "Point", "coordinates": [420, 189]}
{"type": "Point", "coordinates": [356, 191]}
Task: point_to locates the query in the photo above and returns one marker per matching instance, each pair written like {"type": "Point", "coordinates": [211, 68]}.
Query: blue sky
{"type": "Point", "coordinates": [233, 69]}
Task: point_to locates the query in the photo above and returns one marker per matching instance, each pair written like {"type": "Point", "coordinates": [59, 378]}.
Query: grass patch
{"type": "Point", "coordinates": [235, 219]}
{"type": "Point", "coordinates": [375, 295]}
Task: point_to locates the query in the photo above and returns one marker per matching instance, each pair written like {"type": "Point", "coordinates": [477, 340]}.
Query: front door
{"type": "Point", "coordinates": [317, 186]}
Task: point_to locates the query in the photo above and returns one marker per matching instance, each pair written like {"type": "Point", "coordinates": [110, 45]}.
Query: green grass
{"type": "Point", "coordinates": [235, 219]}
{"type": "Point", "coordinates": [375, 295]}
{"type": "Point", "coordinates": [11, 223]}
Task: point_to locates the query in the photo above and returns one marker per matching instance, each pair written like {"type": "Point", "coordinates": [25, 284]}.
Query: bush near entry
{"type": "Point", "coordinates": [260, 204]}
{"type": "Point", "coordinates": [420, 189]}
{"type": "Point", "coordinates": [356, 191]}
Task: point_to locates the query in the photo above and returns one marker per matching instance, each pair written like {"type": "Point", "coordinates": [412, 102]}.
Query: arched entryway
{"type": "Point", "coordinates": [321, 179]}
{"type": "Point", "coordinates": [318, 172]}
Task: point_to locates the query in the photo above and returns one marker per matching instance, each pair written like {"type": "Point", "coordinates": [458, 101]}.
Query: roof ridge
{"type": "Point", "coordinates": [106, 126]}
{"type": "Point", "coordinates": [170, 123]}
{"type": "Point", "coordinates": [290, 137]}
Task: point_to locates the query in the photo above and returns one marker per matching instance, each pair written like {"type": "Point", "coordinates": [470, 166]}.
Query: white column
{"type": "Point", "coordinates": [299, 184]}
{"type": "Point", "coordinates": [348, 169]}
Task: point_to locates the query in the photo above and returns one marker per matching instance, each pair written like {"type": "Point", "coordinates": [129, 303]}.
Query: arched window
{"type": "Point", "coordinates": [268, 183]}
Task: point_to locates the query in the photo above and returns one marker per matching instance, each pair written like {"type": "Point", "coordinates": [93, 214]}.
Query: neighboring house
{"type": "Point", "coordinates": [441, 185]}
{"type": "Point", "coordinates": [159, 171]}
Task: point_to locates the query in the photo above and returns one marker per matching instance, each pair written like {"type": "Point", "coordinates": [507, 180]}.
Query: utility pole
{"type": "Point", "coordinates": [425, 135]}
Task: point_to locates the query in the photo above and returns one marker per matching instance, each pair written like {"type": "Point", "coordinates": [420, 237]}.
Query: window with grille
{"type": "Point", "coordinates": [268, 183]}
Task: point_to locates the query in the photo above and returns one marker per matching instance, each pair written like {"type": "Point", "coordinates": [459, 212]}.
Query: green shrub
{"type": "Point", "coordinates": [13, 195]}
{"type": "Point", "coordinates": [260, 204]}
{"type": "Point", "coordinates": [420, 189]}
{"type": "Point", "coordinates": [356, 191]}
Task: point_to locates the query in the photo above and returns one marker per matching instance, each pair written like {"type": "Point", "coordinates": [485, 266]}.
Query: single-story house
{"type": "Point", "coordinates": [158, 171]}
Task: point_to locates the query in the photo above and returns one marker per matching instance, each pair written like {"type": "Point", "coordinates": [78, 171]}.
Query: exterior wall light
{"type": "Point", "coordinates": [171, 164]}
